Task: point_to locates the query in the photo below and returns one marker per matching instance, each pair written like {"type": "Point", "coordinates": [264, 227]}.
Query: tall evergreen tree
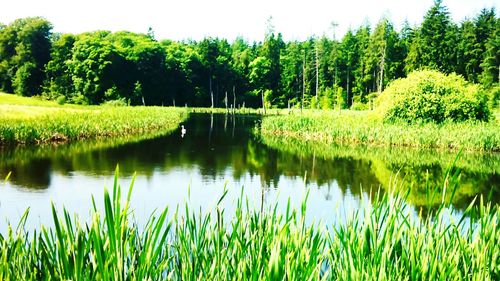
{"type": "Point", "coordinates": [491, 61]}
{"type": "Point", "coordinates": [434, 45]}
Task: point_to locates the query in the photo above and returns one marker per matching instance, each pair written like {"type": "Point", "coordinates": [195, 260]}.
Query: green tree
{"type": "Point", "coordinates": [362, 74]}
{"type": "Point", "coordinates": [92, 65]}
{"type": "Point", "coordinates": [434, 45]}
{"type": "Point", "coordinates": [347, 63]}
{"type": "Point", "coordinates": [271, 50]}
{"type": "Point", "coordinates": [25, 47]}
{"type": "Point", "coordinates": [144, 61]}
{"type": "Point", "coordinates": [491, 61]}
{"type": "Point", "coordinates": [59, 80]}
{"type": "Point", "coordinates": [260, 69]}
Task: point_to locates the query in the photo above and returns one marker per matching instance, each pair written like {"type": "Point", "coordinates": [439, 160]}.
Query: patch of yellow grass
{"type": "Point", "coordinates": [18, 100]}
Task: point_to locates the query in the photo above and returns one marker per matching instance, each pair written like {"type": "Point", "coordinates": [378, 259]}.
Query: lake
{"type": "Point", "coordinates": [221, 152]}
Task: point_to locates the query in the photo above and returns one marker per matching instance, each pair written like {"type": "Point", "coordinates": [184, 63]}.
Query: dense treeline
{"type": "Point", "coordinates": [124, 67]}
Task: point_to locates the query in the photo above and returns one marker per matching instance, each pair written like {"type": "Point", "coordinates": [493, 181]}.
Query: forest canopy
{"type": "Point", "coordinates": [321, 72]}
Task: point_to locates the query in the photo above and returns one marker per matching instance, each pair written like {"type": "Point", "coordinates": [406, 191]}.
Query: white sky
{"type": "Point", "coordinates": [196, 19]}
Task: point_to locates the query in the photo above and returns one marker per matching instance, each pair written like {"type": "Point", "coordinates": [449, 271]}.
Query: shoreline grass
{"type": "Point", "coordinates": [32, 121]}
{"type": "Point", "coordinates": [349, 127]}
{"type": "Point", "coordinates": [378, 242]}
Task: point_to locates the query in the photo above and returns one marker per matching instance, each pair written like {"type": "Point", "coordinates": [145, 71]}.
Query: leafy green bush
{"type": "Point", "coordinates": [494, 97]}
{"type": "Point", "coordinates": [61, 100]}
{"type": "Point", "coordinates": [430, 96]}
{"type": "Point", "coordinates": [117, 102]}
{"type": "Point", "coordinates": [359, 106]}
{"type": "Point", "coordinates": [79, 99]}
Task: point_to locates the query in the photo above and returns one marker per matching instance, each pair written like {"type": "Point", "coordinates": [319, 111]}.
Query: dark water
{"type": "Point", "coordinates": [218, 152]}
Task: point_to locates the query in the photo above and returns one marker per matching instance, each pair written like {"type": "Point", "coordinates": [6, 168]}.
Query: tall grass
{"type": "Point", "coordinates": [362, 128]}
{"type": "Point", "coordinates": [383, 240]}
{"type": "Point", "coordinates": [53, 125]}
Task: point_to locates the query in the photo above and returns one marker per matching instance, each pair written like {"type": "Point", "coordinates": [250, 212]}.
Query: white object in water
{"type": "Point", "coordinates": [183, 131]}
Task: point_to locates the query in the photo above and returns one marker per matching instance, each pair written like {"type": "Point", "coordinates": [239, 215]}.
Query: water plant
{"type": "Point", "coordinates": [32, 121]}
{"type": "Point", "coordinates": [382, 240]}
{"type": "Point", "coordinates": [350, 127]}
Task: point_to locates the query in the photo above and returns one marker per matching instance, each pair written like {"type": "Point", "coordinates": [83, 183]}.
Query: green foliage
{"type": "Point", "coordinates": [359, 106]}
{"type": "Point", "coordinates": [47, 122]}
{"type": "Point", "coordinates": [59, 79]}
{"type": "Point", "coordinates": [118, 102]}
{"type": "Point", "coordinates": [61, 100]}
{"type": "Point", "coordinates": [79, 99]}
{"type": "Point", "coordinates": [84, 67]}
{"type": "Point", "coordinates": [353, 127]}
{"type": "Point", "coordinates": [491, 61]}
{"type": "Point", "coordinates": [382, 240]}
{"type": "Point", "coordinates": [326, 99]}
{"type": "Point", "coordinates": [25, 83]}
{"type": "Point", "coordinates": [429, 96]}
{"type": "Point", "coordinates": [341, 104]}
{"type": "Point", "coordinates": [494, 97]}
{"type": "Point", "coordinates": [434, 44]}
{"type": "Point", "coordinates": [24, 52]}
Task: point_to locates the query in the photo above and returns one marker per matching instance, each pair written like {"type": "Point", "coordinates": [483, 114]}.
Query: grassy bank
{"type": "Point", "coordinates": [348, 127]}
{"type": "Point", "coordinates": [33, 121]}
{"type": "Point", "coordinates": [381, 241]}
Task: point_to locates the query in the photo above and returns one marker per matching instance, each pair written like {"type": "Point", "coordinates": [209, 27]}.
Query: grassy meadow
{"type": "Point", "coordinates": [35, 121]}
{"type": "Point", "coordinates": [381, 241]}
{"type": "Point", "coordinates": [365, 127]}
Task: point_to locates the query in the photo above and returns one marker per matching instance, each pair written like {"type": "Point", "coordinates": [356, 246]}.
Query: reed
{"type": "Point", "coordinates": [32, 121]}
{"type": "Point", "coordinates": [349, 127]}
{"type": "Point", "coordinates": [382, 240]}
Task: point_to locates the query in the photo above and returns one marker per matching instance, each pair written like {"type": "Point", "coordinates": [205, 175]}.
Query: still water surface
{"type": "Point", "coordinates": [217, 152]}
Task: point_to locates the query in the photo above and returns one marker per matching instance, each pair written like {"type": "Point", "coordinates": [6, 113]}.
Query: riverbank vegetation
{"type": "Point", "coordinates": [321, 72]}
{"type": "Point", "coordinates": [382, 240]}
{"type": "Point", "coordinates": [361, 128]}
{"type": "Point", "coordinates": [425, 110]}
{"type": "Point", "coordinates": [34, 121]}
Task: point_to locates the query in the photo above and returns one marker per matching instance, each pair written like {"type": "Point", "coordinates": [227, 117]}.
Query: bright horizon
{"type": "Point", "coordinates": [197, 19]}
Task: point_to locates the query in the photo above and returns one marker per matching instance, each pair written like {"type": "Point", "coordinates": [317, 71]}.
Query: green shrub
{"type": "Point", "coordinates": [494, 97]}
{"type": "Point", "coordinates": [430, 96]}
{"type": "Point", "coordinates": [61, 100]}
{"type": "Point", "coordinates": [359, 106]}
{"type": "Point", "coordinates": [80, 99]}
{"type": "Point", "coordinates": [117, 102]}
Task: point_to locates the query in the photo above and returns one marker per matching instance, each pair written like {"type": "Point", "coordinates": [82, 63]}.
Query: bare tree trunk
{"type": "Point", "coordinates": [234, 99]}
{"type": "Point", "coordinates": [317, 75]}
{"type": "Point", "coordinates": [335, 80]}
{"type": "Point", "coordinates": [347, 85]}
{"type": "Point", "coordinates": [217, 91]}
{"type": "Point", "coordinates": [382, 66]}
{"type": "Point", "coordinates": [225, 101]}
{"type": "Point", "coordinates": [211, 92]}
{"type": "Point", "coordinates": [263, 103]}
{"type": "Point", "coordinates": [303, 82]}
